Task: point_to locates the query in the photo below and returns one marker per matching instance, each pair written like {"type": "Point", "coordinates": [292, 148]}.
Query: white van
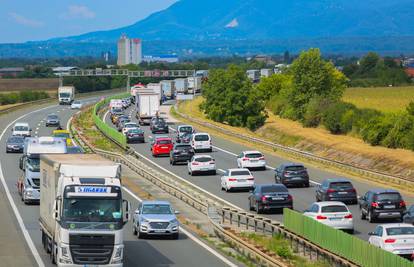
{"type": "Point", "coordinates": [21, 129]}
{"type": "Point", "coordinates": [201, 141]}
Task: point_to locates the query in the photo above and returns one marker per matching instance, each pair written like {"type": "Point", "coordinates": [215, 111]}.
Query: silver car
{"type": "Point", "coordinates": [155, 218]}
{"type": "Point", "coordinates": [52, 120]}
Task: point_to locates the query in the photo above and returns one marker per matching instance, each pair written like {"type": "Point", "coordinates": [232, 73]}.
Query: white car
{"type": "Point", "coordinates": [128, 126]}
{"type": "Point", "coordinates": [201, 164]}
{"type": "Point", "coordinates": [397, 238]}
{"type": "Point", "coordinates": [237, 179]}
{"type": "Point", "coordinates": [332, 213]}
{"type": "Point", "coordinates": [21, 129]}
{"type": "Point", "coordinates": [76, 105]}
{"type": "Point", "coordinates": [251, 159]}
{"type": "Point", "coordinates": [201, 142]}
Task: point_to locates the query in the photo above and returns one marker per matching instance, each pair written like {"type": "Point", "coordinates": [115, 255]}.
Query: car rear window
{"type": "Point", "coordinates": [274, 189]}
{"type": "Point", "coordinates": [164, 142]}
{"type": "Point", "coordinates": [341, 185]}
{"type": "Point", "coordinates": [135, 131]}
{"type": "Point", "coordinates": [334, 208]}
{"type": "Point", "coordinates": [16, 140]}
{"type": "Point", "coordinates": [201, 137]}
{"type": "Point", "coordinates": [240, 173]}
{"type": "Point", "coordinates": [183, 147]}
{"type": "Point", "coordinates": [203, 159]}
{"type": "Point", "coordinates": [186, 129]}
{"type": "Point", "coordinates": [21, 128]}
{"type": "Point", "coordinates": [400, 231]}
{"type": "Point", "coordinates": [294, 168]}
{"type": "Point", "coordinates": [254, 155]}
{"type": "Point", "coordinates": [388, 196]}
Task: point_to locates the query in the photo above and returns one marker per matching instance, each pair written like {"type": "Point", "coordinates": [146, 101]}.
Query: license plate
{"type": "Point", "coordinates": [296, 178]}
{"type": "Point", "coordinates": [278, 198]}
{"type": "Point", "coordinates": [159, 231]}
{"type": "Point", "coordinates": [254, 160]}
{"type": "Point", "coordinates": [389, 206]}
{"type": "Point", "coordinates": [335, 219]}
{"type": "Point", "coordinates": [90, 265]}
{"type": "Point", "coordinates": [241, 180]}
{"type": "Point", "coordinates": [342, 193]}
{"type": "Point", "coordinates": [204, 169]}
{"type": "Point", "coordinates": [164, 147]}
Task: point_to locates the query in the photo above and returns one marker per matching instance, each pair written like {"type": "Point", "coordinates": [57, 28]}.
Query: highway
{"type": "Point", "coordinates": [225, 153]}
{"type": "Point", "coordinates": [151, 252]}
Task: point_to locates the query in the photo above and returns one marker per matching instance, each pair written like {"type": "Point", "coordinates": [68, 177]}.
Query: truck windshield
{"type": "Point", "coordinates": [33, 164]}
{"type": "Point", "coordinates": [64, 94]}
{"type": "Point", "coordinates": [92, 210]}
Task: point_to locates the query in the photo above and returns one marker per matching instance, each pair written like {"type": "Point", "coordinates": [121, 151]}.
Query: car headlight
{"type": "Point", "coordinates": [10, 146]}
{"type": "Point", "coordinates": [174, 221]}
{"type": "Point", "coordinates": [145, 221]}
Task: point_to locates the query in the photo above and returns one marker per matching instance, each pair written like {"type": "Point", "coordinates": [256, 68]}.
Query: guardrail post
{"type": "Point", "coordinates": [231, 217]}
{"type": "Point", "coordinates": [238, 220]}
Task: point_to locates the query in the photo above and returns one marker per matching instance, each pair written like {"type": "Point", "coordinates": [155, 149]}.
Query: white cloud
{"type": "Point", "coordinates": [22, 20]}
{"type": "Point", "coordinates": [232, 24]}
{"type": "Point", "coordinates": [78, 12]}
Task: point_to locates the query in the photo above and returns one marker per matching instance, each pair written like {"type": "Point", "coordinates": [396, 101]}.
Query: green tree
{"type": "Point", "coordinates": [231, 98]}
{"type": "Point", "coordinates": [272, 85]}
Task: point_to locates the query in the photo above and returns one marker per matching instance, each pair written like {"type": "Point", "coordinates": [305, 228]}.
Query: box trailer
{"type": "Point", "coordinates": [148, 105]}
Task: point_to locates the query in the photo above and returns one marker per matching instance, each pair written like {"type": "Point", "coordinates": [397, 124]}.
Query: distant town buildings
{"type": "Point", "coordinates": [10, 72]}
{"type": "Point", "coordinates": [161, 58]}
{"type": "Point", "coordinates": [129, 51]}
{"type": "Point", "coordinates": [62, 71]}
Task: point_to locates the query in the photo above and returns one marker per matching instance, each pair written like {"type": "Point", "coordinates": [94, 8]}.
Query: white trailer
{"type": "Point", "coordinates": [181, 85]}
{"type": "Point", "coordinates": [66, 95]}
{"type": "Point", "coordinates": [253, 75]}
{"type": "Point", "coordinates": [194, 83]}
{"type": "Point", "coordinates": [156, 87]}
{"type": "Point", "coordinates": [115, 104]}
{"type": "Point", "coordinates": [148, 105]}
{"type": "Point", "coordinates": [82, 212]}
{"type": "Point", "coordinates": [168, 88]}
{"type": "Point", "coordinates": [266, 72]}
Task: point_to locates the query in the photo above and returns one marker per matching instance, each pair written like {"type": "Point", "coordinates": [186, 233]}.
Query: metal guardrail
{"type": "Point", "coordinates": [204, 202]}
{"type": "Point", "coordinates": [370, 174]}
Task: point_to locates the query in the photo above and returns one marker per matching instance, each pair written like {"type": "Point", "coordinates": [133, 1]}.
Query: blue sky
{"type": "Point", "coordinates": [31, 20]}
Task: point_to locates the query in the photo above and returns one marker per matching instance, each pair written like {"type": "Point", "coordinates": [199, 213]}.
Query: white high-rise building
{"type": "Point", "coordinates": [129, 51]}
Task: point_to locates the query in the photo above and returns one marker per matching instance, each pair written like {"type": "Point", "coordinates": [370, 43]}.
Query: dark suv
{"type": "Point", "coordinates": [181, 153]}
{"type": "Point", "coordinates": [292, 174]}
{"type": "Point", "coordinates": [337, 190]}
{"type": "Point", "coordinates": [270, 196]}
{"type": "Point", "coordinates": [382, 204]}
{"type": "Point", "coordinates": [159, 125]}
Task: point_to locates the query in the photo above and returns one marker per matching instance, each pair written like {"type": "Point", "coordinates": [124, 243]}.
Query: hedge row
{"type": "Point", "coordinates": [22, 97]}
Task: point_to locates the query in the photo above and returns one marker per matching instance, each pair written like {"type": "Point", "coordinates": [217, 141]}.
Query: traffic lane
{"type": "Point", "coordinates": [303, 197]}
{"type": "Point", "coordinates": [162, 251]}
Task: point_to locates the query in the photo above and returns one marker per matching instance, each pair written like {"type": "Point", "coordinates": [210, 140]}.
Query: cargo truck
{"type": "Point", "coordinates": [156, 87]}
{"type": "Point", "coordinates": [181, 85]}
{"type": "Point", "coordinates": [194, 84]}
{"type": "Point", "coordinates": [28, 185]}
{"type": "Point", "coordinates": [168, 88]}
{"type": "Point", "coordinates": [66, 95]}
{"type": "Point", "coordinates": [82, 212]}
{"type": "Point", "coordinates": [148, 104]}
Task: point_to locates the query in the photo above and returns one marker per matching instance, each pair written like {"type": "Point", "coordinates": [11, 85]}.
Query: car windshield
{"type": "Point", "coordinates": [52, 117]}
{"type": "Point", "coordinates": [62, 135]}
{"type": "Point", "coordinates": [186, 129]}
{"type": "Point", "coordinates": [203, 159]}
{"type": "Point", "coordinates": [201, 137]}
{"type": "Point", "coordinates": [400, 231]}
{"type": "Point", "coordinates": [294, 168]}
{"type": "Point", "coordinates": [273, 189]}
{"type": "Point", "coordinates": [15, 140]}
{"type": "Point", "coordinates": [164, 142]}
{"type": "Point", "coordinates": [254, 155]}
{"type": "Point", "coordinates": [240, 173]}
{"type": "Point", "coordinates": [156, 209]}
{"type": "Point", "coordinates": [92, 210]}
{"type": "Point", "coordinates": [334, 208]}
{"type": "Point", "coordinates": [34, 164]}
{"type": "Point", "coordinates": [388, 196]}
{"type": "Point", "coordinates": [21, 128]}
{"type": "Point", "coordinates": [341, 185]}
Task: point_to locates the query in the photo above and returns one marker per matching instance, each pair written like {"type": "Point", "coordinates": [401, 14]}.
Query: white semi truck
{"type": "Point", "coordinates": [82, 212]}
{"type": "Point", "coordinates": [66, 95]}
{"type": "Point", "coordinates": [156, 87]}
{"type": "Point", "coordinates": [148, 105]}
{"type": "Point", "coordinates": [168, 88]}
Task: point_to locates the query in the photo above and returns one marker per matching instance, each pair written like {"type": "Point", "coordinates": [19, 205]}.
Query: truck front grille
{"type": "Point", "coordinates": [91, 249]}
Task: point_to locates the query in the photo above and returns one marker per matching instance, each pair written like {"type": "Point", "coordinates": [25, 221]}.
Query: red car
{"type": "Point", "coordinates": [162, 146]}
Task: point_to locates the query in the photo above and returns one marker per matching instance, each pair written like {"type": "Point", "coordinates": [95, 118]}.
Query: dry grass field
{"type": "Point", "coordinates": [12, 85]}
{"type": "Point", "coordinates": [386, 99]}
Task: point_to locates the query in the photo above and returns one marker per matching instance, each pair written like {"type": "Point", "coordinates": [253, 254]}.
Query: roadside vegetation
{"type": "Point", "coordinates": [22, 97]}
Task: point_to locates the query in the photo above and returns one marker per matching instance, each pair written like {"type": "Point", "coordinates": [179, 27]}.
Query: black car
{"type": "Point", "coordinates": [409, 216]}
{"type": "Point", "coordinates": [159, 125]}
{"type": "Point", "coordinates": [181, 153]}
{"type": "Point", "coordinates": [135, 135]}
{"type": "Point", "coordinates": [337, 190]}
{"type": "Point", "coordinates": [15, 144]}
{"type": "Point", "coordinates": [184, 138]}
{"type": "Point", "coordinates": [382, 204]}
{"type": "Point", "coordinates": [52, 120]}
{"type": "Point", "coordinates": [292, 174]}
{"type": "Point", "coordinates": [270, 196]}
{"type": "Point", "coordinates": [74, 150]}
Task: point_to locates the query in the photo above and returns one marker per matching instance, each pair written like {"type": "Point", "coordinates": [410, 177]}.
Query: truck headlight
{"type": "Point", "coordinates": [65, 254]}
{"type": "Point", "coordinates": [118, 254]}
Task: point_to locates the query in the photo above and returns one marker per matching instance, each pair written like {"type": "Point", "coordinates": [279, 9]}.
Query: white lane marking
{"type": "Point", "coordinates": [67, 128]}
{"type": "Point", "coordinates": [19, 218]}
{"type": "Point", "coordinates": [58, 111]}
{"type": "Point", "coordinates": [192, 237]}
{"type": "Point", "coordinates": [38, 124]}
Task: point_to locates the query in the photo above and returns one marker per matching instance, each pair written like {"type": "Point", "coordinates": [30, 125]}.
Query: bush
{"type": "Point", "coordinates": [277, 104]}
{"type": "Point", "coordinates": [334, 118]}
{"type": "Point", "coordinates": [314, 111]}
{"type": "Point", "coordinates": [396, 137]}
{"type": "Point", "coordinates": [377, 129]}
{"type": "Point", "coordinates": [22, 97]}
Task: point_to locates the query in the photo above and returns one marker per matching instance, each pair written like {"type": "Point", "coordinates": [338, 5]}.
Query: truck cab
{"type": "Point", "coordinates": [66, 95]}
{"type": "Point", "coordinates": [28, 185]}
